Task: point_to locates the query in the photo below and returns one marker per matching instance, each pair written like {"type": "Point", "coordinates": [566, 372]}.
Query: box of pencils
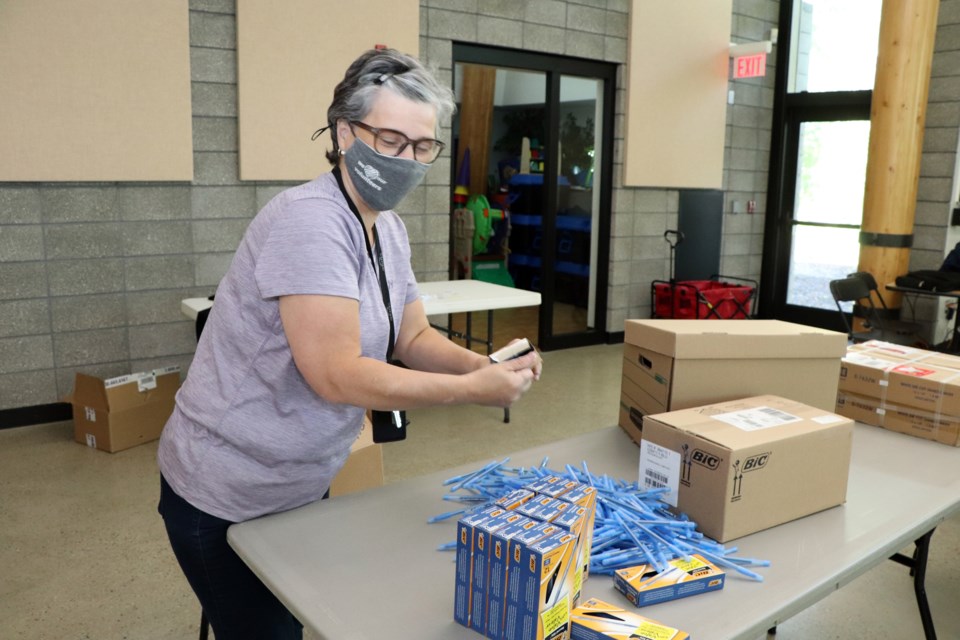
{"type": "Point", "coordinates": [644, 585]}
{"type": "Point", "coordinates": [466, 528]}
{"type": "Point", "coordinates": [598, 620]}
{"type": "Point", "coordinates": [539, 609]}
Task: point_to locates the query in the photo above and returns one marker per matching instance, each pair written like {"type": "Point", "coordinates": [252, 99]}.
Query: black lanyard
{"type": "Point", "coordinates": [378, 262]}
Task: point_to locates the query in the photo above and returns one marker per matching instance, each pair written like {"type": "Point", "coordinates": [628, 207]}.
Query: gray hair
{"type": "Point", "coordinates": [384, 68]}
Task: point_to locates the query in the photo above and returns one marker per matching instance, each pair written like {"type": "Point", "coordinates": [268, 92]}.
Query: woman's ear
{"type": "Point", "coordinates": [344, 134]}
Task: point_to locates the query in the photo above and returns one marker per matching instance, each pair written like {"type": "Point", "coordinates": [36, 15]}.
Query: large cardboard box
{"type": "Point", "coordinates": [746, 465]}
{"type": "Point", "coordinates": [676, 364]}
{"type": "Point", "coordinates": [903, 376]}
{"type": "Point", "coordinates": [364, 468]}
{"type": "Point", "coordinates": [119, 413]}
{"type": "Point", "coordinates": [902, 419]}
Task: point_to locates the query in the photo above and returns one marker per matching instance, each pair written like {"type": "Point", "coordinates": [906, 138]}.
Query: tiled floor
{"type": "Point", "coordinates": [83, 552]}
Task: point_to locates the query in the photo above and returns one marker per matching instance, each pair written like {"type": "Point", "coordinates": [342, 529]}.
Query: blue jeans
{"type": "Point", "coordinates": [237, 604]}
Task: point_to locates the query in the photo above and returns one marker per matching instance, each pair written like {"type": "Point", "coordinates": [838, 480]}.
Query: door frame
{"type": "Point", "coordinates": [554, 66]}
{"type": "Point", "coordinates": [790, 111]}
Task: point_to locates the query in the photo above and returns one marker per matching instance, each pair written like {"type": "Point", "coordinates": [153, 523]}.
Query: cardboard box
{"type": "Point", "coordinates": [743, 466]}
{"type": "Point", "coordinates": [903, 376]}
{"type": "Point", "coordinates": [676, 364]}
{"type": "Point", "coordinates": [483, 551]}
{"type": "Point", "coordinates": [118, 413]}
{"type": "Point", "coordinates": [585, 497]}
{"type": "Point", "coordinates": [914, 422]}
{"type": "Point", "coordinates": [547, 570]}
{"type": "Point", "coordinates": [644, 585]}
{"type": "Point", "coordinates": [596, 620]}
{"type": "Point", "coordinates": [522, 582]}
{"type": "Point", "coordinates": [364, 468]}
{"type": "Point", "coordinates": [500, 561]}
{"type": "Point", "coordinates": [466, 543]}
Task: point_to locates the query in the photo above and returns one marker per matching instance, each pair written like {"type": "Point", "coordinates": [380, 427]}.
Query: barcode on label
{"type": "Point", "coordinates": [655, 479]}
{"type": "Point", "coordinates": [776, 413]}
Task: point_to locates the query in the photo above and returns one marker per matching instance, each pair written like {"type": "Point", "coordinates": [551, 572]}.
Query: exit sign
{"type": "Point", "coordinates": [752, 66]}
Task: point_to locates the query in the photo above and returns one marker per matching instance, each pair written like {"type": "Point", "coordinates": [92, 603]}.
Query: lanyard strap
{"type": "Point", "coordinates": [376, 263]}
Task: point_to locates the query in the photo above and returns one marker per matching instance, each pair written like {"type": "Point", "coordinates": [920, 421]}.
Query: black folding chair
{"type": "Point", "coordinates": [856, 289]}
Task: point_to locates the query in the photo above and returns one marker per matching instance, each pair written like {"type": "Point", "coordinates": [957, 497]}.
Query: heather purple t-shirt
{"type": "Point", "coordinates": [248, 436]}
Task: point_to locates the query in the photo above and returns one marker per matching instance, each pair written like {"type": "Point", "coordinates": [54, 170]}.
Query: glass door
{"type": "Point", "coordinates": [538, 129]}
{"type": "Point", "coordinates": [578, 205]}
{"type": "Point", "coordinates": [819, 147]}
{"type": "Point", "coordinates": [828, 206]}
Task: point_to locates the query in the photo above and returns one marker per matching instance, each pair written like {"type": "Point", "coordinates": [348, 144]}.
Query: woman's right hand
{"type": "Point", "coordinates": [503, 383]}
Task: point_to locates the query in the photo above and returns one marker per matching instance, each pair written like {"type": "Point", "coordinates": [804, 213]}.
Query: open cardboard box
{"type": "Point", "coordinates": [119, 413]}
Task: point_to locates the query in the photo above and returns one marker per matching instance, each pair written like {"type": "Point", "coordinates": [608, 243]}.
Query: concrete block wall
{"type": "Point", "coordinates": [639, 253]}
{"type": "Point", "coordinates": [91, 274]}
{"type": "Point", "coordinates": [938, 190]}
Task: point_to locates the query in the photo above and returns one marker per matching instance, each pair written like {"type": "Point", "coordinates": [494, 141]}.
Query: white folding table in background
{"type": "Point", "coordinates": [444, 298]}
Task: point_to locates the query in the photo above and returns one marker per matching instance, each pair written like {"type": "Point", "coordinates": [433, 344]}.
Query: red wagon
{"type": "Point", "coordinates": [720, 297]}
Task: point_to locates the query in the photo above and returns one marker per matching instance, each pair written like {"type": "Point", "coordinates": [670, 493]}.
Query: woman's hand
{"type": "Point", "coordinates": [503, 383]}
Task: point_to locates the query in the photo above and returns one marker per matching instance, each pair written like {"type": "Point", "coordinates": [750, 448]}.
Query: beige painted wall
{"type": "Point", "coordinates": [95, 90]}
{"type": "Point", "coordinates": [677, 94]}
{"type": "Point", "coordinates": [288, 64]}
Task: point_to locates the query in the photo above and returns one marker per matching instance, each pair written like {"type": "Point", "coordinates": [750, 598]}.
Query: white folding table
{"type": "Point", "coordinates": [354, 567]}
{"type": "Point", "coordinates": [443, 298]}
{"type": "Point", "coordinates": [467, 296]}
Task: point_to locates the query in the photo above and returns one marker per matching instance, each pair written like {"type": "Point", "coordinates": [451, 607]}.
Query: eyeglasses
{"type": "Point", "coordinates": [388, 142]}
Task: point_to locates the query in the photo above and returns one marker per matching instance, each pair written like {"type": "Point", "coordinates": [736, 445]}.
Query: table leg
{"type": "Point", "coordinates": [468, 336]}
{"type": "Point", "coordinates": [955, 338]}
{"type": "Point", "coordinates": [506, 411]}
{"type": "Point", "coordinates": [918, 569]}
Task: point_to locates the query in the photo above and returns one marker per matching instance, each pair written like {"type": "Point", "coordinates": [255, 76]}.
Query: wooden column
{"type": "Point", "coordinates": [476, 117]}
{"type": "Point", "coordinates": [897, 114]}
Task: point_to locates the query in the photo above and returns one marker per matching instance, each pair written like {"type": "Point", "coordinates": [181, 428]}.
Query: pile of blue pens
{"type": "Point", "coordinates": [632, 526]}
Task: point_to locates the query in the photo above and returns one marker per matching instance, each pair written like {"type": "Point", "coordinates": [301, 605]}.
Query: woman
{"type": "Point", "coordinates": [299, 340]}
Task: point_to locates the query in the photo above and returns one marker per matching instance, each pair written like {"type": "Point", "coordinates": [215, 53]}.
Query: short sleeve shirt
{"type": "Point", "coordinates": [248, 436]}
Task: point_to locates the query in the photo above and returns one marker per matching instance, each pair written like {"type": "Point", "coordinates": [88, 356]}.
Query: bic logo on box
{"type": "Point", "coordinates": [756, 462]}
{"type": "Point", "coordinates": [705, 459]}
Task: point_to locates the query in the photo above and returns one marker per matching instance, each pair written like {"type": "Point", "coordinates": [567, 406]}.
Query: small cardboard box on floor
{"type": "Point", "coordinates": [119, 413]}
{"type": "Point", "coordinates": [364, 468]}
{"type": "Point", "coordinates": [746, 465]}
{"type": "Point", "coordinates": [903, 389]}
{"type": "Point", "coordinates": [676, 364]}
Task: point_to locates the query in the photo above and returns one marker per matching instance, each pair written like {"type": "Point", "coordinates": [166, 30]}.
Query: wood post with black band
{"type": "Point", "coordinates": [897, 115]}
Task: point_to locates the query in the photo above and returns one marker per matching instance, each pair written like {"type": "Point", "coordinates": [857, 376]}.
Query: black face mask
{"type": "Point", "coordinates": [382, 181]}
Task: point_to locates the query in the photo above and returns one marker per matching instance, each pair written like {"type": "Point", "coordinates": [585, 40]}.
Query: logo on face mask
{"type": "Point", "coordinates": [370, 174]}
{"type": "Point", "coordinates": [381, 181]}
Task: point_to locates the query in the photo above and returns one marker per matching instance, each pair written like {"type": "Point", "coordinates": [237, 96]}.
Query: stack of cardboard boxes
{"type": "Point", "coordinates": [911, 391]}
{"type": "Point", "coordinates": [736, 419]}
